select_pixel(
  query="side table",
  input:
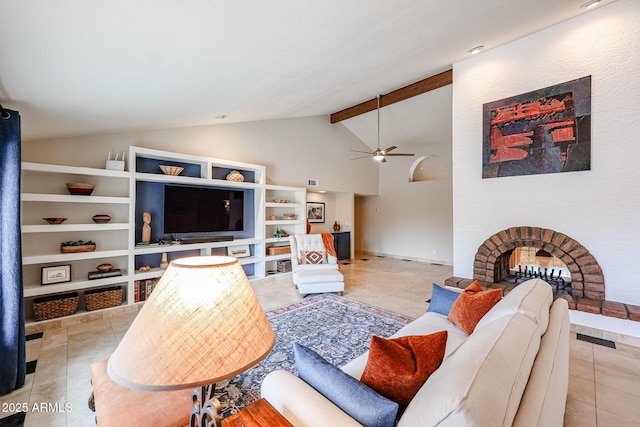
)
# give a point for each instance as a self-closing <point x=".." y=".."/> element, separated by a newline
<point x="258" y="414"/>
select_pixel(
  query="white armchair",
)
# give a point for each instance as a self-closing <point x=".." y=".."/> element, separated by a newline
<point x="314" y="278"/>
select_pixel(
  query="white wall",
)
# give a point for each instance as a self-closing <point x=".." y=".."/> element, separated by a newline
<point x="329" y="200"/>
<point x="409" y="219"/>
<point x="598" y="208"/>
<point x="338" y="207"/>
<point x="291" y="149"/>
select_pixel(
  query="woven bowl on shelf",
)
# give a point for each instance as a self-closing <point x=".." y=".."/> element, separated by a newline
<point x="80" y="189"/>
<point x="235" y="176"/>
<point x="55" y="220"/>
<point x="171" y="170"/>
<point x="289" y="216"/>
<point x="103" y="268"/>
<point x="101" y="218"/>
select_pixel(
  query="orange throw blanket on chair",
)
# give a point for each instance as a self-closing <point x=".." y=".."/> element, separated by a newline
<point x="327" y="240"/>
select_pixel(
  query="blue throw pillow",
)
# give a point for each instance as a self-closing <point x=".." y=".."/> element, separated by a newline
<point x="358" y="400"/>
<point x="442" y="299"/>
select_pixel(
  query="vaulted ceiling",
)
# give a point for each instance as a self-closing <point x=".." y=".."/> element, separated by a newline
<point x="74" y="67"/>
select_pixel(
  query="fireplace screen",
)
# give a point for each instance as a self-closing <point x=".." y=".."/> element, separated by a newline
<point x="527" y="263"/>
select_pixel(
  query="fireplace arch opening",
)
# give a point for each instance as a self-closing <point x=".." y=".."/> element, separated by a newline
<point x="528" y="262"/>
<point x="492" y="260"/>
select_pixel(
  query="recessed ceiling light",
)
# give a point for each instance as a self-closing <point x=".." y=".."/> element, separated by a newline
<point x="590" y="4"/>
<point x="221" y="117"/>
<point x="476" y="50"/>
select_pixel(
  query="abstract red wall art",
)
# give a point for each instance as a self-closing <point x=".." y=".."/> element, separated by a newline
<point x="544" y="131"/>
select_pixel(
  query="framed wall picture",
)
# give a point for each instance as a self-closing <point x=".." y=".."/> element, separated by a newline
<point x="544" y="131"/>
<point x="56" y="274"/>
<point x="315" y="211"/>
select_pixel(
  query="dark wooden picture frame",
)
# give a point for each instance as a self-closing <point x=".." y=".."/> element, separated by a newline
<point x="56" y="274"/>
<point x="315" y="212"/>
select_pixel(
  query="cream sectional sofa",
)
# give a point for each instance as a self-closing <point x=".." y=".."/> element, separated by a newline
<point x="512" y="370"/>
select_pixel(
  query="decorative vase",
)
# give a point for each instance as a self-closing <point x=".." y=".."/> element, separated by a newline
<point x="308" y="227"/>
<point x="235" y="176"/>
<point x="336" y="226"/>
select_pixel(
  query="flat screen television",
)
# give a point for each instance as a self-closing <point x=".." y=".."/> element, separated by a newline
<point x="202" y="209"/>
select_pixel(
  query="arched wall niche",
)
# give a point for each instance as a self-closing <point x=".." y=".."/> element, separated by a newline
<point x="428" y="168"/>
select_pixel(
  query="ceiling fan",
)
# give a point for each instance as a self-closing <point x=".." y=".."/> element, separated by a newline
<point x="380" y="155"/>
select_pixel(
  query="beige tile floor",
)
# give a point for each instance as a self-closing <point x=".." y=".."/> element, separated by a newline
<point x="604" y="384"/>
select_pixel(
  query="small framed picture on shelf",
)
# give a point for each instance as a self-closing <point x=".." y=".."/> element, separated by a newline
<point x="315" y="211"/>
<point x="239" y="251"/>
<point x="56" y="274"/>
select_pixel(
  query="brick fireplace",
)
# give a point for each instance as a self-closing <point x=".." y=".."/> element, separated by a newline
<point x="491" y="268"/>
<point x="491" y="263"/>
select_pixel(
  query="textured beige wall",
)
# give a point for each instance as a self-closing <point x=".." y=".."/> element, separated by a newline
<point x="291" y="149"/>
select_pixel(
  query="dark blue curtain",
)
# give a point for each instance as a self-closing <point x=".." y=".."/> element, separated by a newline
<point x="13" y="365"/>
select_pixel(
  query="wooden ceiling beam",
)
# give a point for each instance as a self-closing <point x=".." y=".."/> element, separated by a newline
<point x="430" y="83"/>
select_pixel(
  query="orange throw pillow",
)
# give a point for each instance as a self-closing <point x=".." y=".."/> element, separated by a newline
<point x="471" y="305"/>
<point x="398" y="367"/>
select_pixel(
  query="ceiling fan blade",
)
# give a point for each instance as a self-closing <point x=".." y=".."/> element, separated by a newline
<point x="361" y="157"/>
<point x="386" y="150"/>
<point x="400" y="154"/>
<point x="366" y="152"/>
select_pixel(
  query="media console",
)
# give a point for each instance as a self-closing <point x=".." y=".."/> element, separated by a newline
<point x="208" y="239"/>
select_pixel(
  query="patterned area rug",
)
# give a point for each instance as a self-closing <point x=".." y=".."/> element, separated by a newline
<point x="337" y="328"/>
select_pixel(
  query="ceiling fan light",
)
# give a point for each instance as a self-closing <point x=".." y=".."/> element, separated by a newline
<point x="591" y="4"/>
<point x="379" y="157"/>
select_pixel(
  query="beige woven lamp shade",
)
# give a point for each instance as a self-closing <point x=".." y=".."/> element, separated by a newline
<point x="201" y="324"/>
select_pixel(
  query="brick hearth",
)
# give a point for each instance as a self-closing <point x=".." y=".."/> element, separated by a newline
<point x="607" y="308"/>
<point x="490" y="269"/>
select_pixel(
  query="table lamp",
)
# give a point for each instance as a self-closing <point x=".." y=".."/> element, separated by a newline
<point x="202" y="324"/>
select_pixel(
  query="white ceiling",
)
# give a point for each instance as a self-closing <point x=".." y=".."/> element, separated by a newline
<point x="75" y="67"/>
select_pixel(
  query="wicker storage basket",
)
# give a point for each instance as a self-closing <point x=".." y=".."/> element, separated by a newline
<point x="278" y="250"/>
<point x="55" y="306"/>
<point x="284" y="266"/>
<point x="103" y="298"/>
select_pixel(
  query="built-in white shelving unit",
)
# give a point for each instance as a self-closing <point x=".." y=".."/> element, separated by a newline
<point x="44" y="194"/>
<point x="125" y="195"/>
<point x="281" y="200"/>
